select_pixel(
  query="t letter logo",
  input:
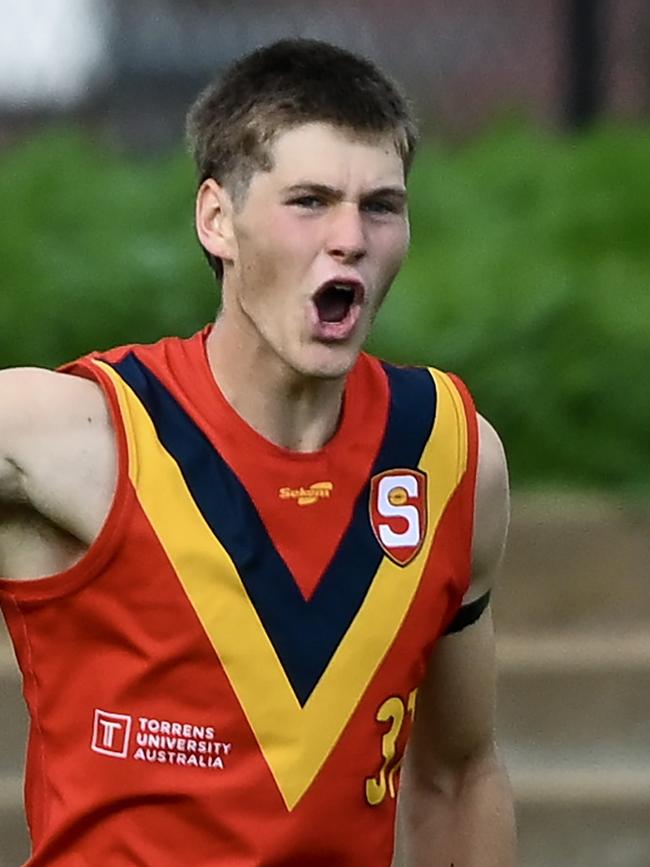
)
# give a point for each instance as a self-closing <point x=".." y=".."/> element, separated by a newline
<point x="111" y="733"/>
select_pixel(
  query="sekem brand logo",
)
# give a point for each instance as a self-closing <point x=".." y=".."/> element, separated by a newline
<point x="307" y="496"/>
<point x="398" y="512"/>
<point x="111" y="733"/>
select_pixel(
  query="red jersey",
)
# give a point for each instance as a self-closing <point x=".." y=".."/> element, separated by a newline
<point x="228" y="676"/>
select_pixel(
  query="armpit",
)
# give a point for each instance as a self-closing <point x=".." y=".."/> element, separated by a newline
<point x="12" y="488"/>
<point x="32" y="547"/>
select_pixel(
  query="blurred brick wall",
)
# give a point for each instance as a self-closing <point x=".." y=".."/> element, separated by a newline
<point x="628" y="59"/>
<point x="464" y="61"/>
<point x="469" y="60"/>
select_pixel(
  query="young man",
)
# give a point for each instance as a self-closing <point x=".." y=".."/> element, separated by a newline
<point x="259" y="545"/>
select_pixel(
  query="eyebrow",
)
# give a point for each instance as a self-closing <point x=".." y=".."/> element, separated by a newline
<point x="397" y="192"/>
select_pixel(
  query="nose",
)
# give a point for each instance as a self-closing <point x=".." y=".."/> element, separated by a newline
<point x="346" y="240"/>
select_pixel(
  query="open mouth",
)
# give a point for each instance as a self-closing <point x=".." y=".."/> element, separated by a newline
<point x="335" y="299"/>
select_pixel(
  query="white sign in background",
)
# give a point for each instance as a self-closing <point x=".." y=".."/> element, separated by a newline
<point x="50" y="51"/>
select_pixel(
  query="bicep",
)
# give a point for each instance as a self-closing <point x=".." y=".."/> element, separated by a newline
<point x="455" y="711"/>
<point x="455" y="714"/>
<point x="40" y="412"/>
<point x="491" y="512"/>
<point x="16" y="386"/>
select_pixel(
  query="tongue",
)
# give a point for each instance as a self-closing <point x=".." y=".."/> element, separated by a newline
<point x="333" y="305"/>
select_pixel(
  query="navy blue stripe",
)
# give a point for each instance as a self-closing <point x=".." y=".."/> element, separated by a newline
<point x="305" y="634"/>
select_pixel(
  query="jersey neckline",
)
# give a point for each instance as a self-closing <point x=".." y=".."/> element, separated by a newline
<point x="219" y="413"/>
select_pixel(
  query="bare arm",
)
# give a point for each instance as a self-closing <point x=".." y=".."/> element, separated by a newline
<point x="455" y="804"/>
<point x="20" y="388"/>
<point x="57" y="463"/>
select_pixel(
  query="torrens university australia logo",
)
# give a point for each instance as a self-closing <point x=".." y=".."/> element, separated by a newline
<point x="398" y="512"/>
<point x="145" y="739"/>
<point x="307" y="496"/>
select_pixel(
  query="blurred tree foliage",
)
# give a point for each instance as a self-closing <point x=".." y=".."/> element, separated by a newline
<point x="529" y="275"/>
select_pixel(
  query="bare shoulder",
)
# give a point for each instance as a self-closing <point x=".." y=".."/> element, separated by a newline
<point x="38" y="405"/>
<point x="492" y="508"/>
<point x="39" y="388"/>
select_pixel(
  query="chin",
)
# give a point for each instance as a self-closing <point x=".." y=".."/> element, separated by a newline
<point x="328" y="361"/>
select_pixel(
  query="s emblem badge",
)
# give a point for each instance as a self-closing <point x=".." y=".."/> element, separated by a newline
<point x="398" y="512"/>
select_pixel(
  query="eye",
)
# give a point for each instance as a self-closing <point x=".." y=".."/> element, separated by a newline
<point x="381" y="206"/>
<point x="310" y="203"/>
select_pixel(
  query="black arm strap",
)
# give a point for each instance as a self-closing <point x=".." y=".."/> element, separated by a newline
<point x="468" y="614"/>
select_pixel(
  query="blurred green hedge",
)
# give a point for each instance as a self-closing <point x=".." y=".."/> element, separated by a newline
<point x="529" y="275"/>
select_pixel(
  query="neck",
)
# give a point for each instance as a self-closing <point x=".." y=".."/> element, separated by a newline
<point x="293" y="411"/>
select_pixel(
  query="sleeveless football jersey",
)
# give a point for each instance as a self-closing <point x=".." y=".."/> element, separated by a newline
<point x="228" y="677"/>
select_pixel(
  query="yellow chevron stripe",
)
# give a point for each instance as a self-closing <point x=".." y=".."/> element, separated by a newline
<point x="294" y="740"/>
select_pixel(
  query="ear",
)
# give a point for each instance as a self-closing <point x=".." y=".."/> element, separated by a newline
<point x="214" y="223"/>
